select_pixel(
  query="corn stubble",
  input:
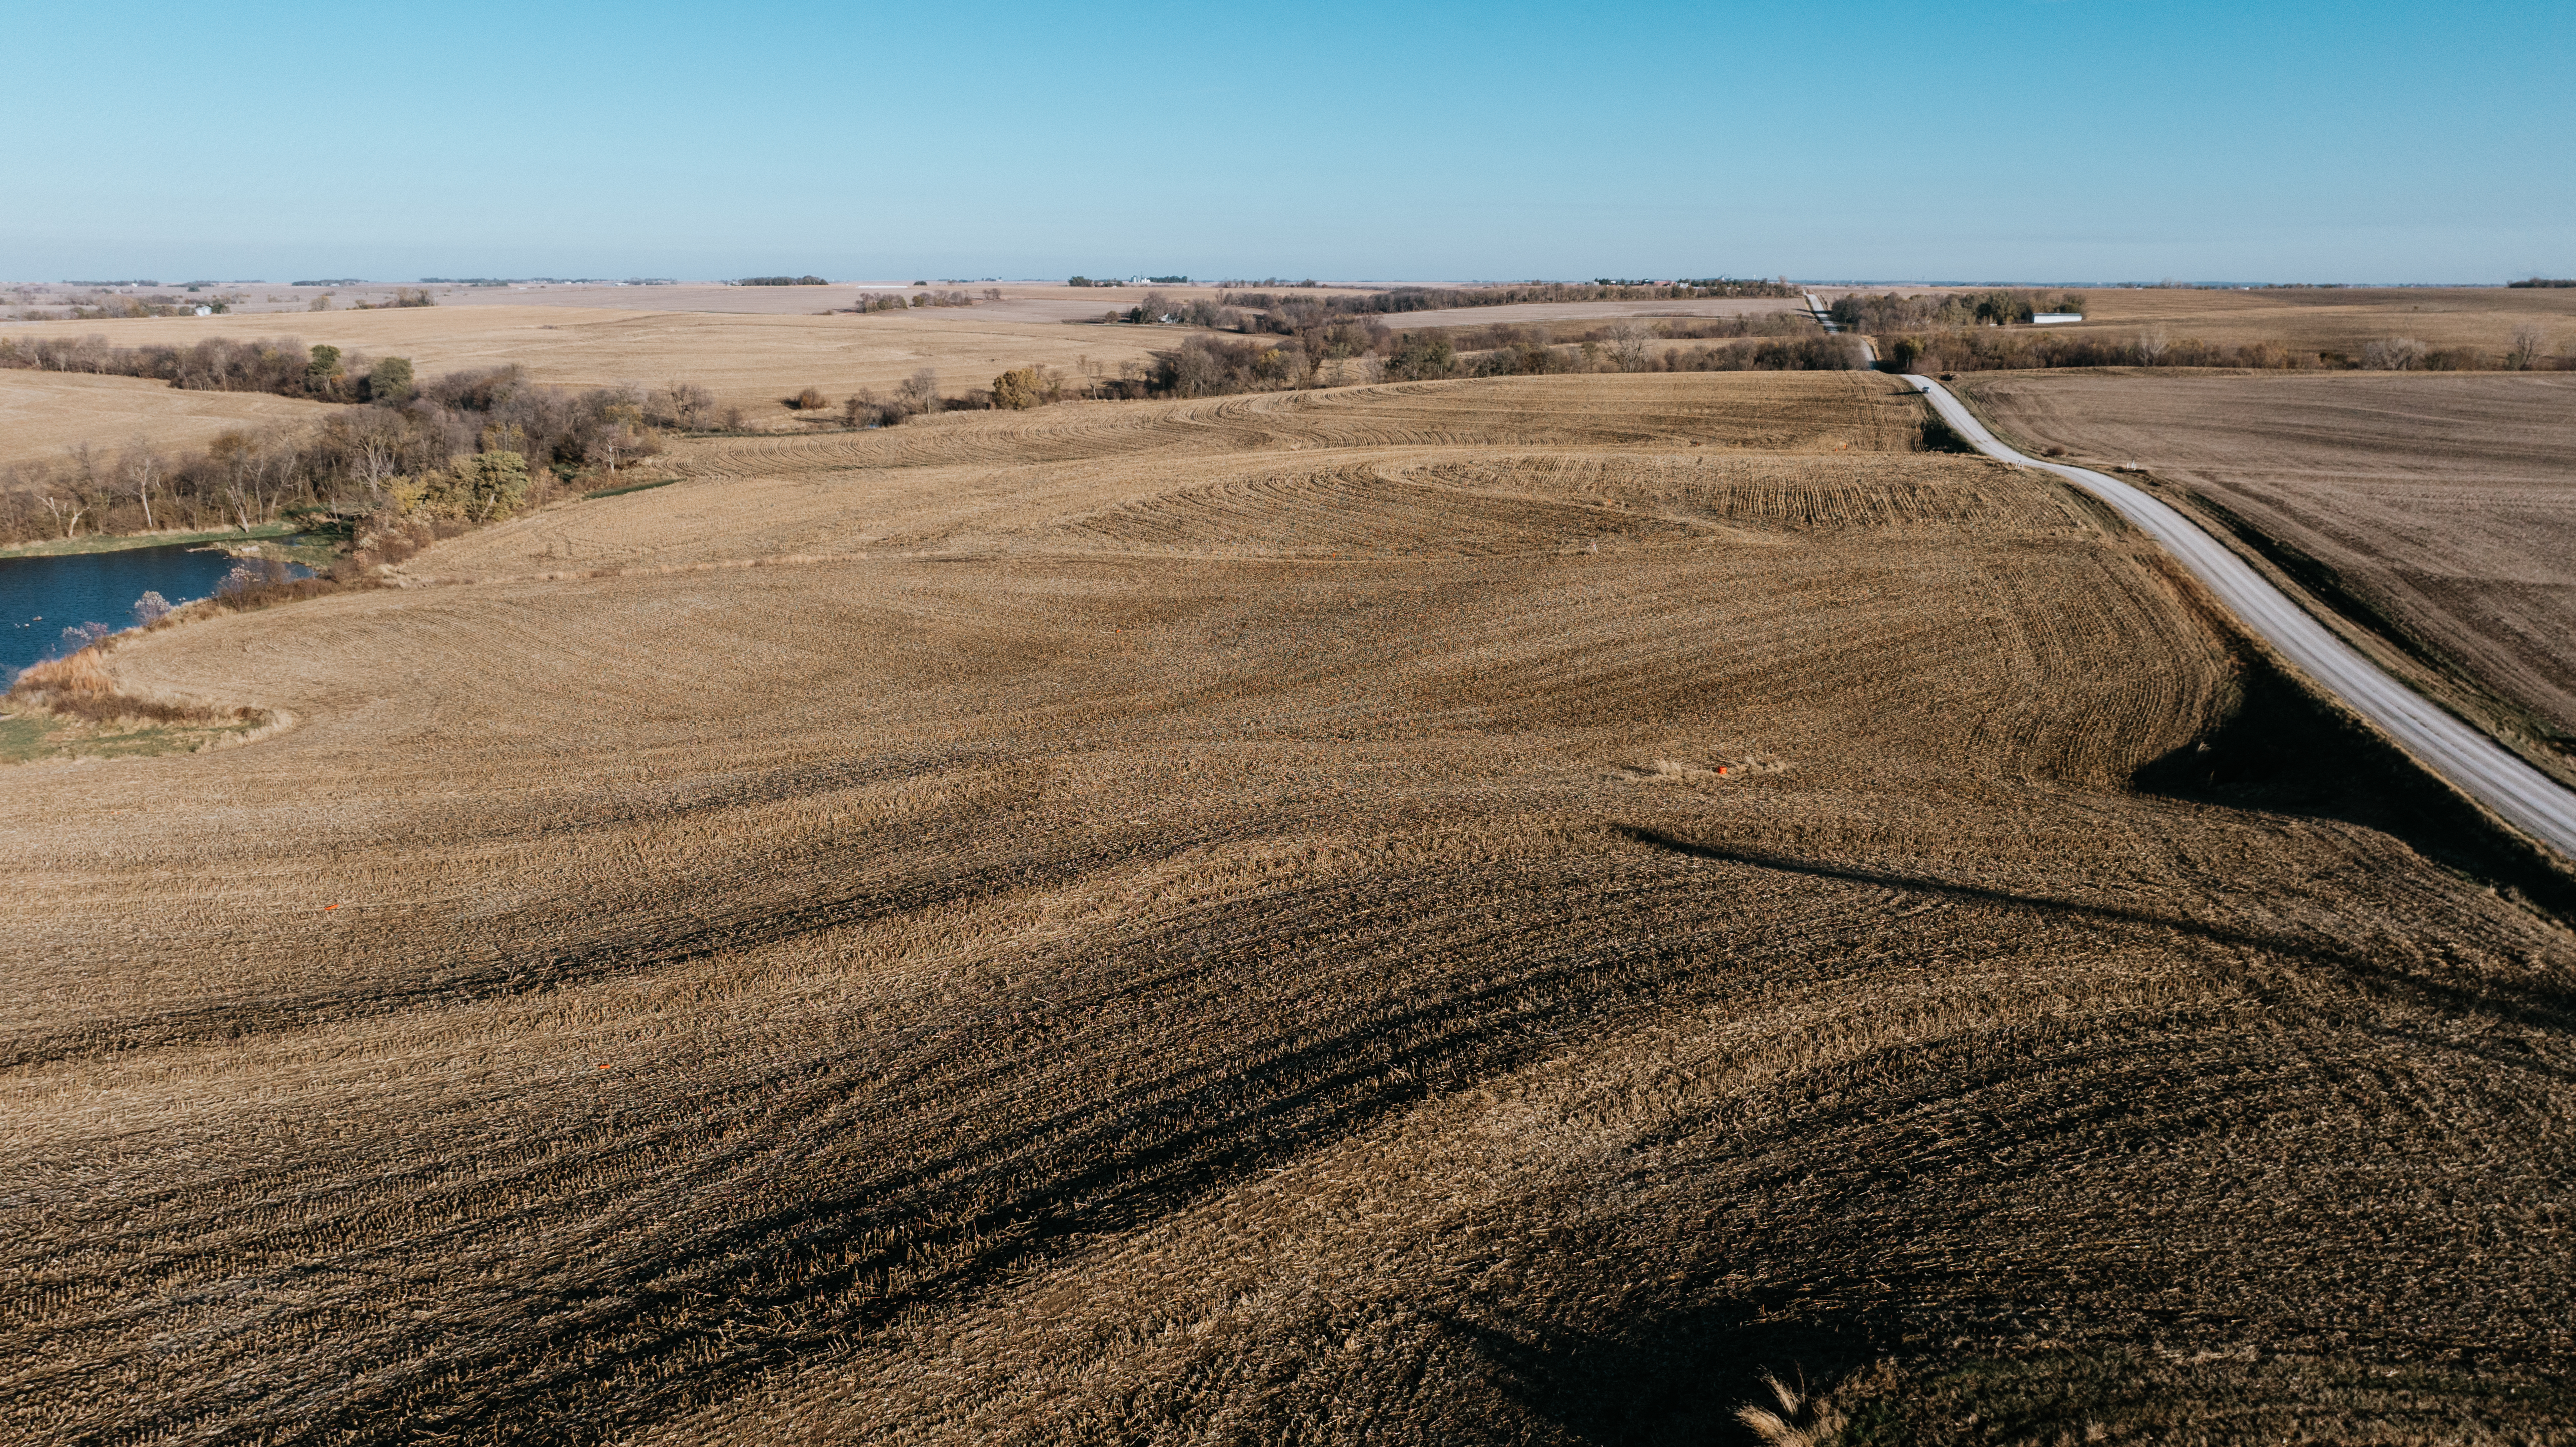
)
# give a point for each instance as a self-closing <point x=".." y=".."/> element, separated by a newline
<point x="2335" y="474"/>
<point x="1459" y="912"/>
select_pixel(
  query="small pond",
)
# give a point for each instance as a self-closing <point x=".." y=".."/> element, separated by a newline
<point x="40" y="597"/>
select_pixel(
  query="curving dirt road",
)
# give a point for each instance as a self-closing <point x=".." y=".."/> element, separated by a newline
<point x="2472" y="762"/>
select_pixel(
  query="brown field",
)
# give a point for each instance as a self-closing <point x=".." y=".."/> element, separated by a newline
<point x="1452" y="913"/>
<point x="750" y="361"/>
<point x="2438" y="508"/>
<point x="1021" y="301"/>
<point x="41" y="413"/>
<point x="2337" y="319"/>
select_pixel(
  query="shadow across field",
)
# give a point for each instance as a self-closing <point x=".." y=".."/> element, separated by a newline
<point x="1669" y="1374"/>
<point x="2276" y="747"/>
<point x="2535" y="1003"/>
<point x="635" y="1342"/>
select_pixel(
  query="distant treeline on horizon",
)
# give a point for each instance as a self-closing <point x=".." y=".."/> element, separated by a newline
<point x="545" y="281"/>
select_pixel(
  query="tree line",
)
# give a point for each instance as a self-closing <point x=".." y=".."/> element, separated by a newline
<point x="113" y="306"/>
<point x="420" y="452"/>
<point x="280" y="365"/>
<point x="896" y="301"/>
<point x="1327" y="327"/>
<point x="1208" y="366"/>
<point x="2001" y="306"/>
<point x="1397" y="300"/>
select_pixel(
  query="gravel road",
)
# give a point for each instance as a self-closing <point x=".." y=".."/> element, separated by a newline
<point x="2473" y="762"/>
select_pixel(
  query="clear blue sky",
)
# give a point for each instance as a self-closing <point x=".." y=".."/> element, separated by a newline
<point x="2040" y="140"/>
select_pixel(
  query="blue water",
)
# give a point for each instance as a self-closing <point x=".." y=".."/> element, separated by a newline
<point x="40" y="597"/>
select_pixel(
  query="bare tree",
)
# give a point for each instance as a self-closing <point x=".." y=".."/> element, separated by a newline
<point x="84" y="460"/>
<point x="920" y="391"/>
<point x="686" y="403"/>
<point x="67" y="513"/>
<point x="2530" y="344"/>
<point x="141" y="470"/>
<point x="1628" y="341"/>
<point x="2153" y="343"/>
<point x="2393" y="354"/>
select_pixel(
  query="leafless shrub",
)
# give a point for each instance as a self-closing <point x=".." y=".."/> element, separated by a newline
<point x="809" y="400"/>
<point x="865" y="408"/>
<point x="2393" y="354"/>
<point x="682" y="404"/>
<point x="2530" y="344"/>
<point x="919" y="392"/>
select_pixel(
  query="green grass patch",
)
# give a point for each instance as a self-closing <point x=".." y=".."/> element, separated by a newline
<point x="122" y="542"/>
<point x="630" y="487"/>
<point x="28" y="737"/>
<point x="22" y="739"/>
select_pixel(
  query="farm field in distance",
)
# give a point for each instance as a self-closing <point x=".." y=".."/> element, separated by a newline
<point x="2345" y="319"/>
<point x="750" y="361"/>
<point x="1542" y="312"/>
<point x="2440" y="507"/>
<point x="1473" y="911"/>
<point x="43" y="413"/>
<point x="1020" y="301"/>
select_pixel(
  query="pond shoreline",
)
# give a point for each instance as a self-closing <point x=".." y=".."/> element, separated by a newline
<point x="122" y="542"/>
<point x="52" y="605"/>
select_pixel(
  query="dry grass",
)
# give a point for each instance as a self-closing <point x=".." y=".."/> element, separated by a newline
<point x="42" y="413"/>
<point x="1795" y="1418"/>
<point x="746" y="361"/>
<point x="2438" y="510"/>
<point x="72" y="708"/>
<point x="1177" y="927"/>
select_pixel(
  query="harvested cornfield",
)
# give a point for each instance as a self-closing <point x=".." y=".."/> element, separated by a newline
<point x="2437" y="512"/>
<point x="2482" y="319"/>
<point x="749" y="361"/>
<point x="1468" y="912"/>
<point x="45" y="414"/>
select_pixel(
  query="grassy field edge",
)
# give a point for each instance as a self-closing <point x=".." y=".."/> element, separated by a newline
<point x="126" y="542"/>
